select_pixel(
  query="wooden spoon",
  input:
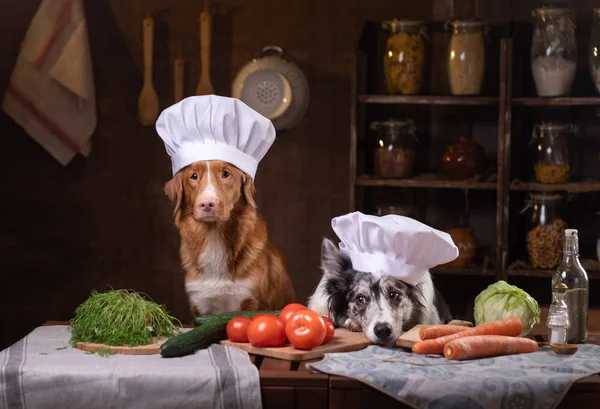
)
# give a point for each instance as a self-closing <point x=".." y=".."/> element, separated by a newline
<point x="148" y="100"/>
<point x="178" y="69"/>
<point x="563" y="349"/>
<point x="205" y="87"/>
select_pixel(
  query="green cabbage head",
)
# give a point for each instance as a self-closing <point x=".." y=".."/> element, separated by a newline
<point x="502" y="300"/>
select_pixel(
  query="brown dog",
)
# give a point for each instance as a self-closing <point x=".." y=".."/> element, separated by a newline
<point x="228" y="261"/>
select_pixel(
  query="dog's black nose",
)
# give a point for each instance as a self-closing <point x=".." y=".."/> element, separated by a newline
<point x="382" y="330"/>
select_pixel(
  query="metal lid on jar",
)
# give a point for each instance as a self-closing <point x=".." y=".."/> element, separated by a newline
<point x="544" y="197"/>
<point x="555" y="127"/>
<point x="552" y="10"/>
<point x="393" y="123"/>
<point x="394" y="25"/>
<point x="466" y="22"/>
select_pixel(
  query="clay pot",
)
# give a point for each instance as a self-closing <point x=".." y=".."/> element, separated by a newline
<point x="464" y="159"/>
<point x="465" y="241"/>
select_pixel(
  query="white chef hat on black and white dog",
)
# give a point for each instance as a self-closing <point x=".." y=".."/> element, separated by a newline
<point x="395" y="245"/>
<point x="211" y="127"/>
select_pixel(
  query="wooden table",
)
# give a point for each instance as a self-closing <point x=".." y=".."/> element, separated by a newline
<point x="287" y="384"/>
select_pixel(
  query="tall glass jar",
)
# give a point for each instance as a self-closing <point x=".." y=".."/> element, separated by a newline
<point x="553" y="51"/>
<point x="545" y="230"/>
<point x="466" y="56"/>
<point x="594" y="49"/>
<point x="404" y="58"/>
<point x="395" y="148"/>
<point x="551" y="144"/>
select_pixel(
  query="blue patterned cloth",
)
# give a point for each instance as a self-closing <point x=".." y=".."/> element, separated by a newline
<point x="537" y="380"/>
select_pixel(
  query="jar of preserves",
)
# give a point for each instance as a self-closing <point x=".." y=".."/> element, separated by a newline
<point x="395" y="148"/>
<point x="553" y="51"/>
<point x="594" y="49"/>
<point x="466" y="56"/>
<point x="404" y="57"/>
<point x="551" y="144"/>
<point x="545" y="230"/>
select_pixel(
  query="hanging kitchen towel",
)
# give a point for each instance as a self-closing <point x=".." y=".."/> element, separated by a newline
<point x="42" y="370"/>
<point x="51" y="91"/>
<point x="537" y="380"/>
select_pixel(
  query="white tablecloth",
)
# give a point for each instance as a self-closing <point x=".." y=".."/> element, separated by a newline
<point x="42" y="370"/>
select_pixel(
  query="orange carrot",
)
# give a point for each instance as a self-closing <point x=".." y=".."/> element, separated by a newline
<point x="509" y="326"/>
<point x="436" y="331"/>
<point x="481" y="346"/>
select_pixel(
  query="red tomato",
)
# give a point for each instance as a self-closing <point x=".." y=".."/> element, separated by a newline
<point x="266" y="331"/>
<point x="330" y="329"/>
<point x="305" y="329"/>
<point x="288" y="310"/>
<point x="237" y="329"/>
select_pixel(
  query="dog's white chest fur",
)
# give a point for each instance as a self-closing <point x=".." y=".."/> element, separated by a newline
<point x="216" y="292"/>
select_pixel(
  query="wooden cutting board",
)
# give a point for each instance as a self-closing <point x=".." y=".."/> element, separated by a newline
<point x="149" y="349"/>
<point x="411" y="337"/>
<point x="343" y="341"/>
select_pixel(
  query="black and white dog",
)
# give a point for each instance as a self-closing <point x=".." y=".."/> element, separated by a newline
<point x="379" y="305"/>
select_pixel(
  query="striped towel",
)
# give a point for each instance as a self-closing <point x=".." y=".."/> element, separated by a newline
<point x="51" y="91"/>
<point x="42" y="370"/>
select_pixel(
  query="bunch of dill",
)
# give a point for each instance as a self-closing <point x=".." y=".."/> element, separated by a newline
<point x="120" y="318"/>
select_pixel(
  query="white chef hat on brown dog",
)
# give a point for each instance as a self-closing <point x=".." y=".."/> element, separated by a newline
<point x="395" y="245"/>
<point x="211" y="127"/>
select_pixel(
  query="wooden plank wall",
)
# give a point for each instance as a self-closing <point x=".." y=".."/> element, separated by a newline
<point x="104" y="221"/>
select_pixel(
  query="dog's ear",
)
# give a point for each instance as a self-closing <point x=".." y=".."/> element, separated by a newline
<point x="174" y="191"/>
<point x="333" y="261"/>
<point x="248" y="190"/>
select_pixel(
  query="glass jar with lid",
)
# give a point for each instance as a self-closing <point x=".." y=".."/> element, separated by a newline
<point x="551" y="144"/>
<point x="545" y="230"/>
<point x="466" y="56"/>
<point x="395" y="148"/>
<point x="553" y="51"/>
<point x="594" y="49"/>
<point x="404" y="57"/>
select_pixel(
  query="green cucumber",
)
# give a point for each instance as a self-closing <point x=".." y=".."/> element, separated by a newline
<point x="210" y="329"/>
<point x="203" y="319"/>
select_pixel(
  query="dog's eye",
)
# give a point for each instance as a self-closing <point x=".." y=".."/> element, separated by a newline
<point x="194" y="176"/>
<point x="361" y="299"/>
<point x="225" y="174"/>
<point x="394" y="295"/>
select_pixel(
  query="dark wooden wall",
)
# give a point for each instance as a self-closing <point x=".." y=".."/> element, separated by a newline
<point x="104" y="221"/>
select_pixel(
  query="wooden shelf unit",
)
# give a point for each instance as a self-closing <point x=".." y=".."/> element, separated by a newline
<point x="499" y="97"/>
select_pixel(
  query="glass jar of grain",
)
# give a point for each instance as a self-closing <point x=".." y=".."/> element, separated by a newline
<point x="551" y="145"/>
<point x="466" y="56"/>
<point x="553" y="51"/>
<point x="545" y="230"/>
<point x="404" y="57"/>
<point x="395" y="148"/>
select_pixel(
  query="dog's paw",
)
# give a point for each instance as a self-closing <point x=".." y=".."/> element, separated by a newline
<point x="352" y="326"/>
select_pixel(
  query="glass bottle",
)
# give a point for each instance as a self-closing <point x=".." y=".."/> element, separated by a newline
<point x="558" y="315"/>
<point x="594" y="49"/>
<point x="395" y="148"/>
<point x="553" y="51"/>
<point x="466" y="56"/>
<point x="404" y="57"/>
<point x="551" y="145"/>
<point x="571" y="273"/>
<point x="545" y="230"/>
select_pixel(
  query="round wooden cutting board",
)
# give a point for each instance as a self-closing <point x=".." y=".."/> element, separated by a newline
<point x="149" y="349"/>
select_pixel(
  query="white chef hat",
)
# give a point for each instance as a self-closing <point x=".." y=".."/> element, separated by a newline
<point x="211" y="127"/>
<point x="396" y="245"/>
